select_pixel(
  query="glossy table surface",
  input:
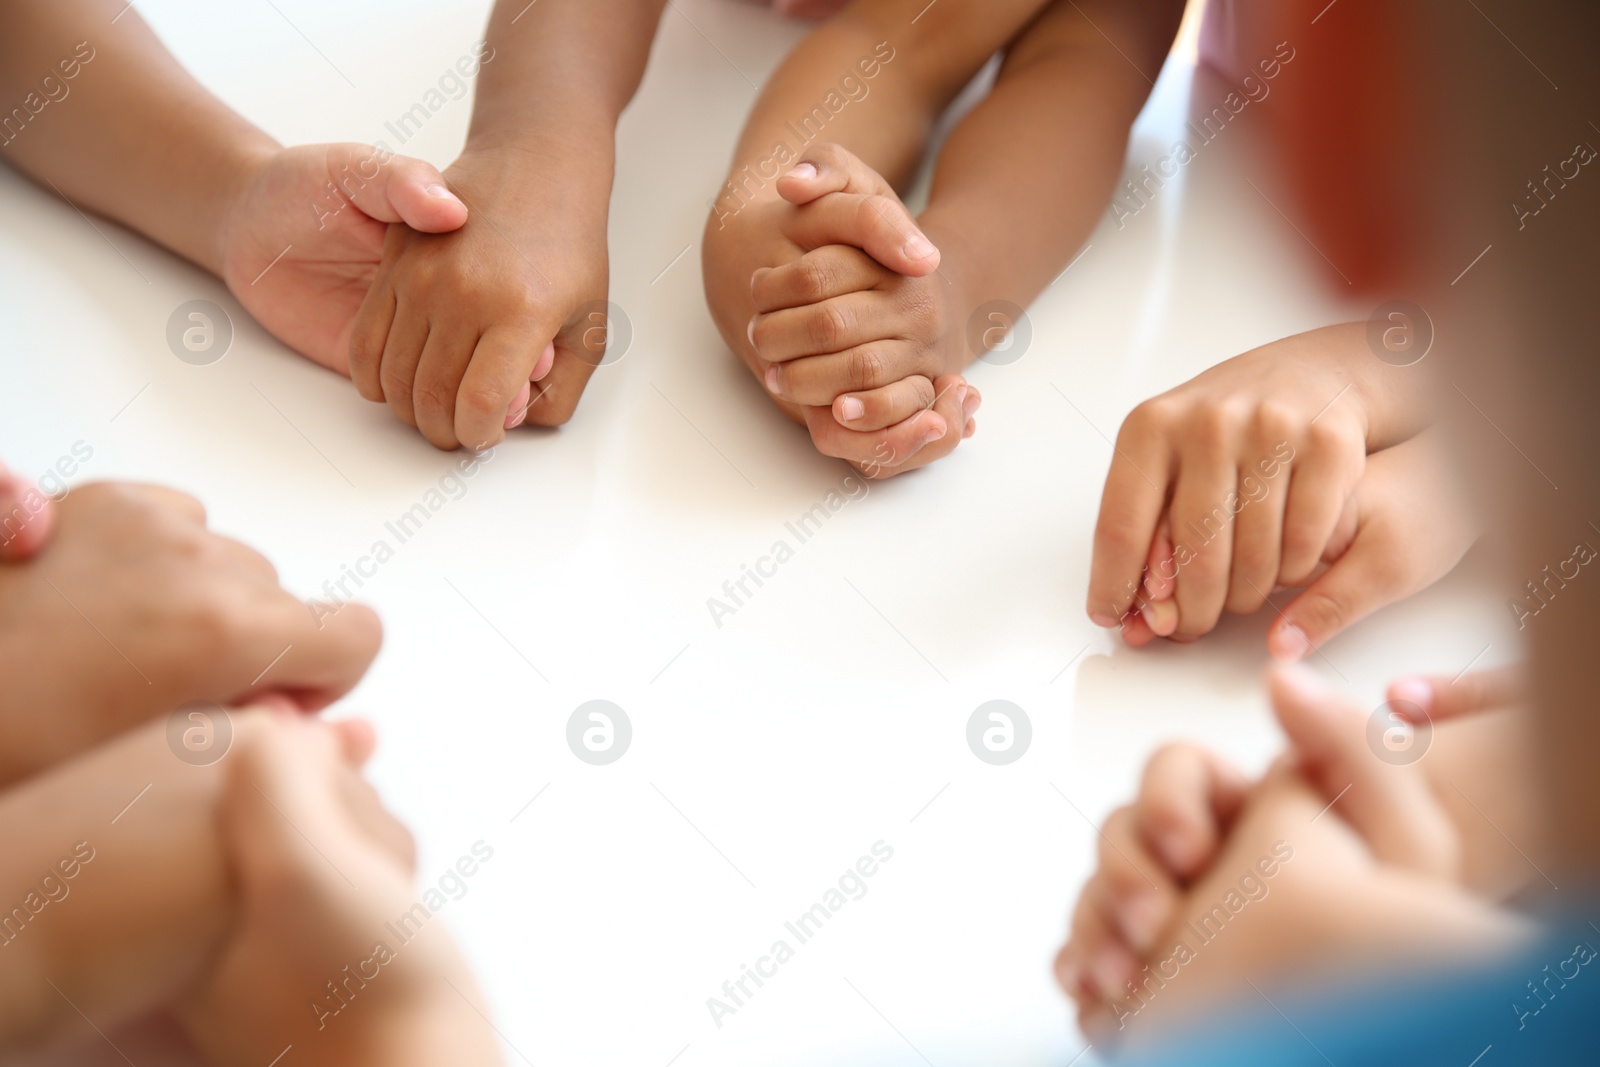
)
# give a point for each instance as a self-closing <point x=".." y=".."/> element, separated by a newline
<point x="772" y="746"/>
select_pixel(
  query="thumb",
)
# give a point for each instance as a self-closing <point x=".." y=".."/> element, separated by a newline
<point x="26" y="517"/>
<point x="830" y="168"/>
<point x="1364" y="765"/>
<point x="393" y="188"/>
<point x="1353" y="587"/>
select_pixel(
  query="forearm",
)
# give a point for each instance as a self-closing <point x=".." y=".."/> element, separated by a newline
<point x="113" y="887"/>
<point x="554" y="79"/>
<point x="102" y="112"/>
<point x="875" y="80"/>
<point x="1025" y="177"/>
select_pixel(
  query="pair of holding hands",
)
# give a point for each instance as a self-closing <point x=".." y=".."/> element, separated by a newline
<point x="1293" y="465"/>
<point x="465" y="319"/>
<point x="258" y="875"/>
<point x="1351" y="859"/>
<point x="851" y="328"/>
<point x="179" y="613"/>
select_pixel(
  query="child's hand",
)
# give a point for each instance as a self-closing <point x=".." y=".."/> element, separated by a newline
<point x="845" y="325"/>
<point x="1364" y="862"/>
<point x="324" y="879"/>
<point x="1376" y="555"/>
<point x="457" y="326"/>
<point x="1251" y="462"/>
<point x="26" y="517"/>
<point x="301" y="257"/>
<point x="135" y="608"/>
<point x="773" y="258"/>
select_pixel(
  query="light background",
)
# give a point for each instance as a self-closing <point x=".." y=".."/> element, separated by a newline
<point x="828" y="713"/>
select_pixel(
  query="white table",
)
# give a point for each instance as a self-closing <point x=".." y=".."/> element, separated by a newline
<point x="830" y="711"/>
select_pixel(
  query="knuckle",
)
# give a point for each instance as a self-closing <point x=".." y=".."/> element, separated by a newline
<point x="829" y="152"/>
<point x="1152" y="418"/>
<point x="1274" y="422"/>
<point x="866" y="367"/>
<point x="396" y="386"/>
<point x="479" y="402"/>
<point x="827" y="326"/>
<point x="434" y="398"/>
<point x="812" y="278"/>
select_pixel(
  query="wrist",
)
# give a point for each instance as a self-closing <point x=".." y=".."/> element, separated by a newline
<point x="236" y="174"/>
<point x="540" y="180"/>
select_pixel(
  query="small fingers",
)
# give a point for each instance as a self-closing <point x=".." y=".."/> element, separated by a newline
<point x="495" y="389"/>
<point x="440" y="370"/>
<point x="1187" y="798"/>
<point x="878" y="225"/>
<point x="402" y="352"/>
<point x="1440" y="697"/>
<point x="26" y="517"/>
<point x="831" y="325"/>
<point x="877" y="409"/>
<point x="818" y="380"/>
<point x="821" y="274"/>
<point x="1321" y="482"/>
<point x="830" y="168"/>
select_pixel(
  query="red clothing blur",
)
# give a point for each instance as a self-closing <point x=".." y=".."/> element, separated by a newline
<point x="1342" y="122"/>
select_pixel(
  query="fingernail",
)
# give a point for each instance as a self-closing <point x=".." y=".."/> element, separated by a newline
<point x="803" y="171"/>
<point x="1103" y="619"/>
<point x="756" y="276"/>
<point x="547" y="360"/>
<point x="972" y="428"/>
<point x="1414" y="691"/>
<point x="1288" y="643"/>
<point x="1176" y="850"/>
<point x="851" y="409"/>
<point x="750" y="332"/>
<point x="933" y="434"/>
<point x="971" y="404"/>
<point x="961" y="394"/>
<point x="1141" y="920"/>
<point x="918" y="247"/>
<point x="1111" y="966"/>
<point x="439" y="192"/>
<point x="772" y="379"/>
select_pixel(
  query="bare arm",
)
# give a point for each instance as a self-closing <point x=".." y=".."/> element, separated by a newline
<point x="102" y="112"/>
